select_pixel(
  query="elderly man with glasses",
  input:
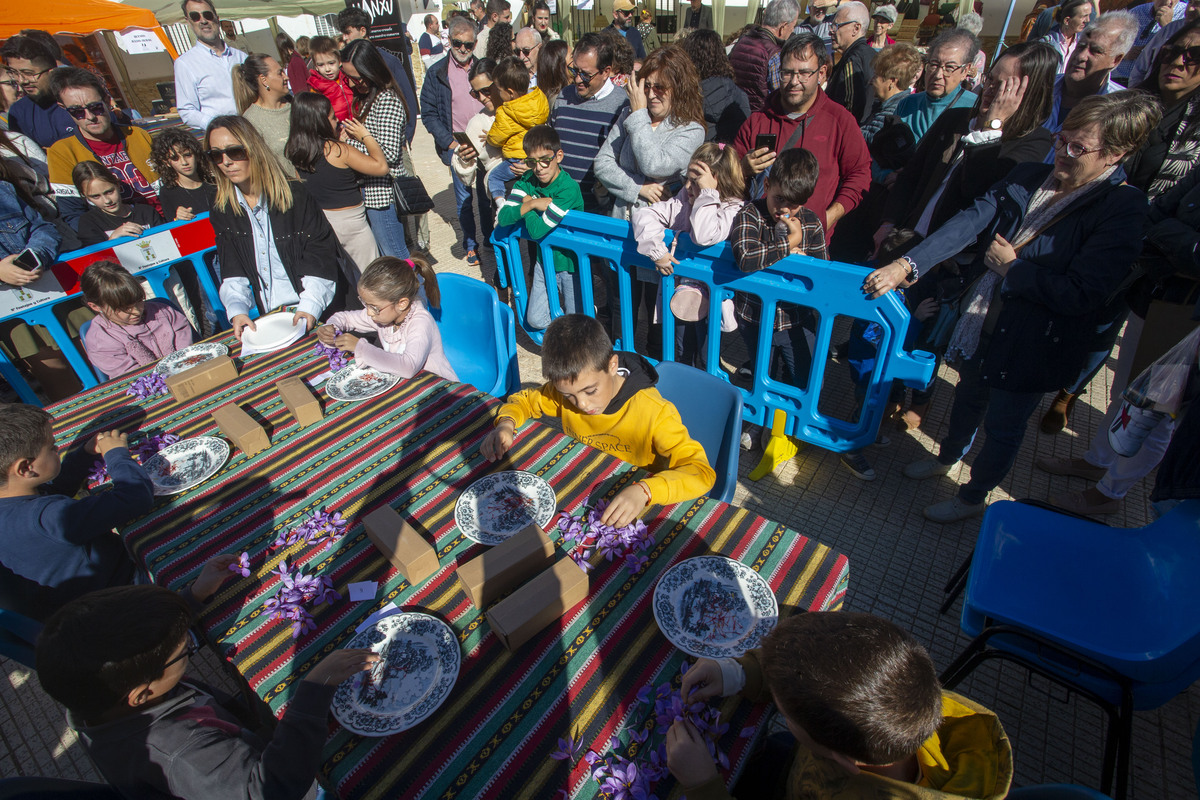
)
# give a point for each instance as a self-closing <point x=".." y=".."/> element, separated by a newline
<point x="36" y="114"/>
<point x="203" y="75"/>
<point x="125" y="152"/>
<point x="526" y="46"/>
<point x="850" y="79"/>
<point x="951" y="55"/>
<point x="447" y="105"/>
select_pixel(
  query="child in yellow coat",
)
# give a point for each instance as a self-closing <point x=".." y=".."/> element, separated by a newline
<point x="521" y="108"/>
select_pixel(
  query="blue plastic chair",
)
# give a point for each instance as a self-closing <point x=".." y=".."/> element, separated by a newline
<point x="479" y="334"/>
<point x="17" y="636"/>
<point x="1056" y="791"/>
<point x="712" y="411"/>
<point x="1107" y="612"/>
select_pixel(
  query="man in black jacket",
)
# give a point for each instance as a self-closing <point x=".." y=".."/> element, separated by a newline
<point x="850" y="80"/>
<point x="624" y="12"/>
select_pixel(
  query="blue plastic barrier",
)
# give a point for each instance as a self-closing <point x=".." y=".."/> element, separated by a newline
<point x="194" y="236"/>
<point x="830" y="288"/>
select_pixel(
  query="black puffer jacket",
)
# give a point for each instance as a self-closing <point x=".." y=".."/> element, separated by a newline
<point x="726" y="107"/>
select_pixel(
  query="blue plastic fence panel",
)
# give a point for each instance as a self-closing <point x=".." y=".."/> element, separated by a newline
<point x="605" y="245"/>
<point x="193" y="240"/>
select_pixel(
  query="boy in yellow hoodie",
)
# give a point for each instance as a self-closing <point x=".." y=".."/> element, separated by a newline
<point x="862" y="699"/>
<point x="608" y="400"/>
<point x="520" y="109"/>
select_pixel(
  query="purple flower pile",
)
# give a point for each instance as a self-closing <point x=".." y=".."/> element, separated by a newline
<point x="337" y="359"/>
<point x="296" y="591"/>
<point x="630" y="770"/>
<point x="585" y="535"/>
<point x="320" y="525"/>
<point x="147" y="386"/>
<point x="145" y="448"/>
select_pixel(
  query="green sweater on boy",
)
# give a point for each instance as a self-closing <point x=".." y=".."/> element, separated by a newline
<point x="564" y="192"/>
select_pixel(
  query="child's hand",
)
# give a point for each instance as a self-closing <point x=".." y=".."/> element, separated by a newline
<point x="687" y="755"/>
<point x="702" y="681"/>
<point x="325" y="335"/>
<point x="666" y="264"/>
<point x="108" y="440"/>
<point x="239" y="323"/>
<point x="342" y="664"/>
<point x="626" y="506"/>
<point x="183" y="213"/>
<point x="212" y="576"/>
<point x="346" y="342"/>
<point x="704" y="176"/>
<point x="651" y="192"/>
<point x="126" y="229"/>
<point x="497" y="443"/>
<point x="926" y="309"/>
<point x="795" y="232"/>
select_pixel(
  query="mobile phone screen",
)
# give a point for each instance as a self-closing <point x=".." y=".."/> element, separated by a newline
<point x="28" y="260"/>
<point x="764" y="140"/>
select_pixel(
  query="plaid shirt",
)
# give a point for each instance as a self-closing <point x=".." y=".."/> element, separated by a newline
<point x="385" y="121"/>
<point x="774" y="78"/>
<point x="758" y="243"/>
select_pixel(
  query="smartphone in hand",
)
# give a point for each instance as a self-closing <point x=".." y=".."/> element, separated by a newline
<point x="767" y="140"/>
<point x="462" y="138"/>
<point x="29" y="260"/>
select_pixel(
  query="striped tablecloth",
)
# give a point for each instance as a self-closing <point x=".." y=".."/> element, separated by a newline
<point x="416" y="448"/>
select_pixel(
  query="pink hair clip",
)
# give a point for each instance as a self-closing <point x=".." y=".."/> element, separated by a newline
<point x="411" y="265"/>
<point x="721" y="146"/>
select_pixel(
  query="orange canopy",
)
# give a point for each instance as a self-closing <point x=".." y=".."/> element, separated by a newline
<point x="79" y="17"/>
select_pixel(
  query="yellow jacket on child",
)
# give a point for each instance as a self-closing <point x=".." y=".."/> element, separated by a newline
<point x="514" y="118"/>
<point x="640" y="426"/>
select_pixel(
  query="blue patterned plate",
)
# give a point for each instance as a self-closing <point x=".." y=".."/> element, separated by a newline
<point x="359" y="383"/>
<point x="189" y="357"/>
<point x="495" y="507"/>
<point x="714" y="607"/>
<point x="418" y="669"/>
<point x="184" y="465"/>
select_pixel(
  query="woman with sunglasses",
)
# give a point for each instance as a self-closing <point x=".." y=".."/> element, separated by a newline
<point x="1061" y="240"/>
<point x="379" y="105"/>
<point x="647" y="153"/>
<point x="481" y="155"/>
<point x="276" y="247"/>
<point x="260" y="86"/>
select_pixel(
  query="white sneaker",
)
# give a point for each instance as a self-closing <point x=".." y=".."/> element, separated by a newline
<point x="747" y="441"/>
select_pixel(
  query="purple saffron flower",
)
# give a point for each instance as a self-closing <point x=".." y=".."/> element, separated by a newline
<point x="566" y="748"/>
<point x="242" y="565"/>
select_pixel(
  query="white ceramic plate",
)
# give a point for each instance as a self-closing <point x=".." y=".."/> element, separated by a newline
<point x="714" y="607"/>
<point x="272" y="332"/>
<point x="189" y="357"/>
<point x="184" y="465"/>
<point x="418" y="669"/>
<point x="495" y="507"/>
<point x="359" y="383"/>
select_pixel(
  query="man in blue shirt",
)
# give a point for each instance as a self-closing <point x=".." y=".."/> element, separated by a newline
<point x="623" y="13"/>
<point x="203" y="79"/>
<point x="37" y="113"/>
<point x="1102" y="47"/>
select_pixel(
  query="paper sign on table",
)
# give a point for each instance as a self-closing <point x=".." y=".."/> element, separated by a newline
<point x="363" y="590"/>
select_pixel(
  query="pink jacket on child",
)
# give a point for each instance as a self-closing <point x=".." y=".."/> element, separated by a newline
<point x="708" y="221"/>
<point x="116" y="349"/>
<point x="413" y="346"/>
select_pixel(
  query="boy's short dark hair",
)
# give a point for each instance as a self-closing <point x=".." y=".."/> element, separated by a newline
<point x="98" y="648"/>
<point x="65" y="78"/>
<point x="542" y="137"/>
<point x="794" y="175"/>
<point x="511" y="74"/>
<point x="322" y="45"/>
<point x="349" y="18"/>
<point x="24" y="431"/>
<point x="497" y="6"/>
<point x="574" y="343"/>
<point x="27" y="49"/>
<point x="107" y="283"/>
<point x="856" y="683"/>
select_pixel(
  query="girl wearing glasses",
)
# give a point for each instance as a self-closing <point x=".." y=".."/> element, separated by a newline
<point x="1059" y="249"/>
<point x="379" y="105"/>
<point x="276" y="247"/>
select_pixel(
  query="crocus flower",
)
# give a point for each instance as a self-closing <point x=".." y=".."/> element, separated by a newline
<point x="242" y="565"/>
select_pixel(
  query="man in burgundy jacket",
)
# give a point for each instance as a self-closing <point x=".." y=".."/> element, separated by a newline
<point x="801" y="115"/>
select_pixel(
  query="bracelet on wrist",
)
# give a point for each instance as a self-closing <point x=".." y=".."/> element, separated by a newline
<point x="645" y="489"/>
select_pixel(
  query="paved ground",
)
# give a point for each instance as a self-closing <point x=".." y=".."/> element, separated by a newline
<point x="898" y="564"/>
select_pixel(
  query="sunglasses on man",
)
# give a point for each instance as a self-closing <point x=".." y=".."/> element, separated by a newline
<point x="207" y="16"/>
<point x="518" y="52"/>
<point x="97" y="109"/>
<point x="462" y="44"/>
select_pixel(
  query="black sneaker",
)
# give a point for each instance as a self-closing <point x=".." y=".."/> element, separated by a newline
<point x="857" y="463"/>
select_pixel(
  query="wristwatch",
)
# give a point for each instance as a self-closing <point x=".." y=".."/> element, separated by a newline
<point x="995" y="124"/>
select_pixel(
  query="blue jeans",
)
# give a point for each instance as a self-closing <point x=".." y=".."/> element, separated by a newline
<point x="466" y="213"/>
<point x="1004" y="415"/>
<point x="499" y="176"/>
<point x="388" y="230"/>
<point x="537" y="311"/>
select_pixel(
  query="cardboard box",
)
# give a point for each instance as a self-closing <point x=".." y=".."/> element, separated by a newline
<point x="241" y="429"/>
<point x="519" y="617"/>
<point x="407" y="550"/>
<point x="506" y="566"/>
<point x="201" y="378"/>
<point x="300" y="402"/>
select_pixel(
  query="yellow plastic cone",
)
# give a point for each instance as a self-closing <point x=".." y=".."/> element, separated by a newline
<point x="780" y="447"/>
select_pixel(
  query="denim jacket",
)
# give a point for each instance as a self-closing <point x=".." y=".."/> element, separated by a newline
<point x="22" y="226"/>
